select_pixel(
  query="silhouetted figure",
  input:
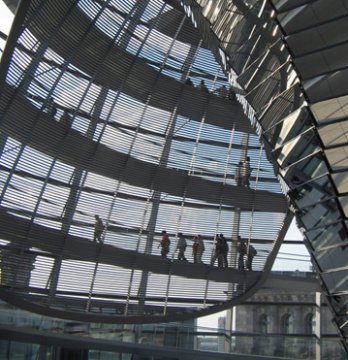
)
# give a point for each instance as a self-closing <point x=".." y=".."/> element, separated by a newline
<point x="98" y="229"/>
<point x="189" y="82"/>
<point x="243" y="172"/>
<point x="164" y="244"/>
<point x="242" y="250"/>
<point x="297" y="181"/>
<point x="251" y="253"/>
<point x="202" y="86"/>
<point x="246" y="171"/>
<point x="201" y="249"/>
<point x="65" y="119"/>
<point x="222" y="92"/>
<point x="195" y="250"/>
<point x="224" y="251"/>
<point x="295" y="194"/>
<point x="231" y="94"/>
<point x="198" y="249"/>
<point x="238" y="175"/>
<point x="181" y="247"/>
<point x="218" y="252"/>
<point x="51" y="107"/>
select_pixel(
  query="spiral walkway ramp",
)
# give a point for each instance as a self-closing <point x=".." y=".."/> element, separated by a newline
<point x="290" y="57"/>
<point x="97" y="117"/>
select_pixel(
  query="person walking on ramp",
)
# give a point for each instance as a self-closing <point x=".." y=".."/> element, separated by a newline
<point x="98" y="229"/>
<point x="164" y="244"/>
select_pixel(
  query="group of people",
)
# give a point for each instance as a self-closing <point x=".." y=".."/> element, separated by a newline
<point x="220" y="251"/>
<point x="243" y="252"/>
<point x="246" y="253"/>
<point x="201" y="86"/>
<point x="222" y="91"/>
<point x="197" y="247"/>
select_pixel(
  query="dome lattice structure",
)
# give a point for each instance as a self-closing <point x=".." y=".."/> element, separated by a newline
<point x="98" y="117"/>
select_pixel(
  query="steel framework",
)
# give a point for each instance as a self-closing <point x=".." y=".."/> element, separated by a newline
<point x="98" y="117"/>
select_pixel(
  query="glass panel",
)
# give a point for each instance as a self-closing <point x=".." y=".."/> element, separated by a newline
<point x="293" y="125"/>
<point x="338" y="158"/>
<point x="278" y="109"/>
<point x="334" y="134"/>
<point x="312" y="167"/>
<point x="344" y="203"/>
<point x="331" y="109"/>
<point x="298" y="148"/>
<point x="320" y="214"/>
<point x="332" y="258"/>
<point x="309" y="193"/>
<point x="334" y="234"/>
<point x="341" y="182"/>
<point x="336" y="281"/>
<point x="339" y="303"/>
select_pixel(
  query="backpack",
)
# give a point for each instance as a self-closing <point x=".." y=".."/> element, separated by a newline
<point x="242" y="249"/>
<point x="252" y="251"/>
